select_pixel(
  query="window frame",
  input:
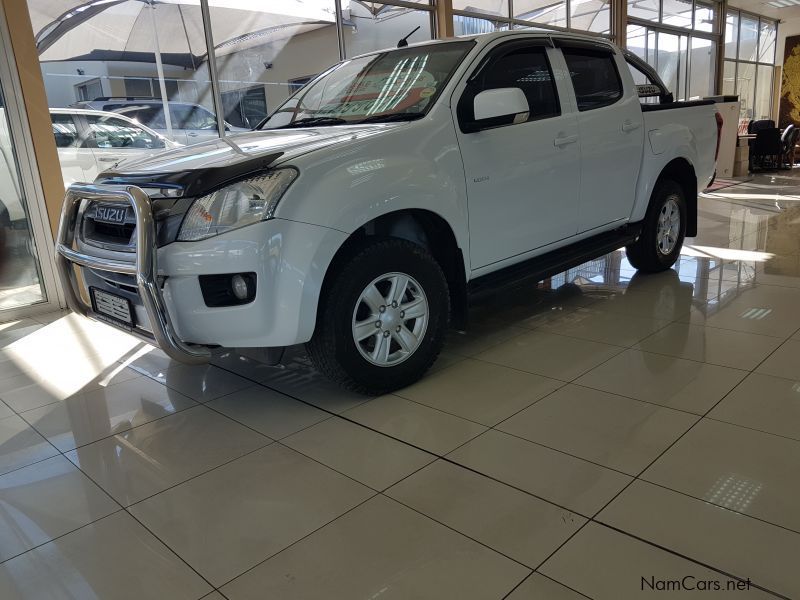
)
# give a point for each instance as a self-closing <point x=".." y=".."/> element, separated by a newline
<point x="493" y="54"/>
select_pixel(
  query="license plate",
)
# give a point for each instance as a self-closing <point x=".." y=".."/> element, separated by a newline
<point x="111" y="306"/>
<point x="110" y="213"/>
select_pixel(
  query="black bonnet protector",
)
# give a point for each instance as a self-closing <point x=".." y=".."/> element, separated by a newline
<point x="193" y="182"/>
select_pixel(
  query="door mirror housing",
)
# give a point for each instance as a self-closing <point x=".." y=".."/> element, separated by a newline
<point x="501" y="102"/>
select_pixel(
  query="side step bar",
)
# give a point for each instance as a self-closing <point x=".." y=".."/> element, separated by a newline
<point x="546" y="265"/>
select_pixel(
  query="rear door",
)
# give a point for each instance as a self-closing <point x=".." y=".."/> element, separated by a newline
<point x="611" y="129"/>
<point x="197" y="123"/>
<point x="74" y="155"/>
<point x="522" y="175"/>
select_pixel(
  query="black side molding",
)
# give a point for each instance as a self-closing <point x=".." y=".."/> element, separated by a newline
<point x="546" y="265"/>
<point x="672" y="105"/>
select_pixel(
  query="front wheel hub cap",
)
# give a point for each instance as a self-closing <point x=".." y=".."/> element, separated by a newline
<point x="390" y="319"/>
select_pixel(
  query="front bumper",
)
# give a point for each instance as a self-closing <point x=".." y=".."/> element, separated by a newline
<point x="145" y="270"/>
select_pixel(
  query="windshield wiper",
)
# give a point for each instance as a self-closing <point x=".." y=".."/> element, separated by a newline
<point x="311" y="121"/>
<point x="413" y="116"/>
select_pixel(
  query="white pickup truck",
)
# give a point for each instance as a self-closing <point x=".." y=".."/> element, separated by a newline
<point x="367" y="212"/>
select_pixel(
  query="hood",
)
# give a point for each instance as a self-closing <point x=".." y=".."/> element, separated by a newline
<point x="200" y="168"/>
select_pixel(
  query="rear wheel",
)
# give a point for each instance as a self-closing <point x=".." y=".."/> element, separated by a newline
<point x="663" y="230"/>
<point x="382" y="319"/>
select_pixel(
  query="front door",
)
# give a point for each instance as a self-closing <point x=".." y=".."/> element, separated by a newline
<point x="522" y="177"/>
<point x="74" y="155"/>
<point x="114" y="139"/>
<point x="612" y="133"/>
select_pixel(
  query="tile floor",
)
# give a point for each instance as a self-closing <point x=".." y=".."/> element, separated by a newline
<point x="599" y="434"/>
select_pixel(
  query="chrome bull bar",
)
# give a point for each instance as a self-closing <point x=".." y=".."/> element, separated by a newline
<point x="145" y="269"/>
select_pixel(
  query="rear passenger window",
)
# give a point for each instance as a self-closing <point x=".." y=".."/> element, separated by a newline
<point x="594" y="76"/>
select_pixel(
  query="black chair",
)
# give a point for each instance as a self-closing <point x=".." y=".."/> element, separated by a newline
<point x="756" y="126"/>
<point x="788" y="144"/>
<point x="766" y="150"/>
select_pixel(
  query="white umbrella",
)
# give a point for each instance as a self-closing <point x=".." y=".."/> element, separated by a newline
<point x="165" y="30"/>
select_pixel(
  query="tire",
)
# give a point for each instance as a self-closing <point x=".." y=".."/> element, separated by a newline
<point x="654" y="251"/>
<point x="370" y="366"/>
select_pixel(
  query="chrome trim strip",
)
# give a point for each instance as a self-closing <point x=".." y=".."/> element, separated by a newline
<point x="145" y="269"/>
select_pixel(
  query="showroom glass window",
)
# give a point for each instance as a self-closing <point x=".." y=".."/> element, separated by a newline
<point x="749" y="62"/>
<point x="483" y="16"/>
<point x="679" y="38"/>
<point x="122" y="53"/>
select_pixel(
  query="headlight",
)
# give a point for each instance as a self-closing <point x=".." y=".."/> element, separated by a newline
<point x="236" y="205"/>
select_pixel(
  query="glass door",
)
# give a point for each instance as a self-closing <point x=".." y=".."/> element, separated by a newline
<point x="27" y="281"/>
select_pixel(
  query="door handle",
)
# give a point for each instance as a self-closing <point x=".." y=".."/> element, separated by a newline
<point x="629" y="125"/>
<point x="108" y="159"/>
<point x="563" y="140"/>
<point x="192" y="133"/>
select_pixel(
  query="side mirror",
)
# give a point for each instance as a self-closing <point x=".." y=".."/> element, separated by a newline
<point x="501" y="102"/>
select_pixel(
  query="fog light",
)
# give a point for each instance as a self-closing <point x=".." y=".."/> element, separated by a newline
<point x="239" y="287"/>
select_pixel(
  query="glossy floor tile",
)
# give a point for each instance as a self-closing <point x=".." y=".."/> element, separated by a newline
<point x="480" y="391"/>
<point x="724" y="347"/>
<point x="744" y="470"/>
<point x="272" y="499"/>
<point x="550" y="355"/>
<point x="148" y="459"/>
<point x="519" y="526"/>
<point x="573" y="483"/>
<point x="92" y="563"/>
<point x="418" y="558"/>
<point x="367" y="456"/>
<point x="588" y="436"/>
<point x="713" y="536"/>
<point x="44" y="501"/>
<point x="616" y="432"/>
<point x="763" y="402"/>
<point x="615" y="566"/>
<point x="677" y="383"/>
<point x="87" y="417"/>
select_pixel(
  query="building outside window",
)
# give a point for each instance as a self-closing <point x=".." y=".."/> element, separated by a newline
<point x="483" y="16"/>
<point x="749" y="62"/>
<point x="679" y="38"/>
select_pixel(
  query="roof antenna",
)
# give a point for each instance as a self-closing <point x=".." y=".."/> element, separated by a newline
<point x="404" y="42"/>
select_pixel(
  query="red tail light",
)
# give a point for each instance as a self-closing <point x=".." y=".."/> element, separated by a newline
<point x="720" y="121"/>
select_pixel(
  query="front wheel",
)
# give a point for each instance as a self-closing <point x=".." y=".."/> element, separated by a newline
<point x="663" y="230"/>
<point x="382" y="318"/>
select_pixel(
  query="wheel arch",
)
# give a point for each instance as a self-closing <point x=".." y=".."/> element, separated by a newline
<point x="682" y="172"/>
<point x="420" y="226"/>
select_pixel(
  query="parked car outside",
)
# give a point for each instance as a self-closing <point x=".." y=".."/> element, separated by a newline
<point x="88" y="142"/>
<point x="370" y="210"/>
<point x="191" y="123"/>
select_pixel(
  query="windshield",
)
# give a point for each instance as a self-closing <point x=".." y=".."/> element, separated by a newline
<point x="394" y="85"/>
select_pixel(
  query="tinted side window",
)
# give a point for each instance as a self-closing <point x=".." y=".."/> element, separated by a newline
<point x="594" y="77"/>
<point x="526" y="68"/>
<point x="65" y="131"/>
<point x="109" y="132"/>
<point x="185" y="116"/>
<point x="151" y="116"/>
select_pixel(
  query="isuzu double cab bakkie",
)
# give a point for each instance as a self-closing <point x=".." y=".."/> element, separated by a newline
<point x="362" y="216"/>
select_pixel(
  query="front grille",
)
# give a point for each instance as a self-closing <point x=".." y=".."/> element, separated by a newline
<point x="121" y="237"/>
<point x="115" y="234"/>
<point x="101" y="232"/>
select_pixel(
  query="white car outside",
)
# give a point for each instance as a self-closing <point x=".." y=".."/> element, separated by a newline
<point x="88" y="142"/>
<point x="388" y="193"/>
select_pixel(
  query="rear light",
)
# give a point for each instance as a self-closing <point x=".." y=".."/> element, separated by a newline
<point x="720" y="120"/>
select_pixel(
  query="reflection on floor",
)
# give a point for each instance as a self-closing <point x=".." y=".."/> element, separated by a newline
<point x="603" y="435"/>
